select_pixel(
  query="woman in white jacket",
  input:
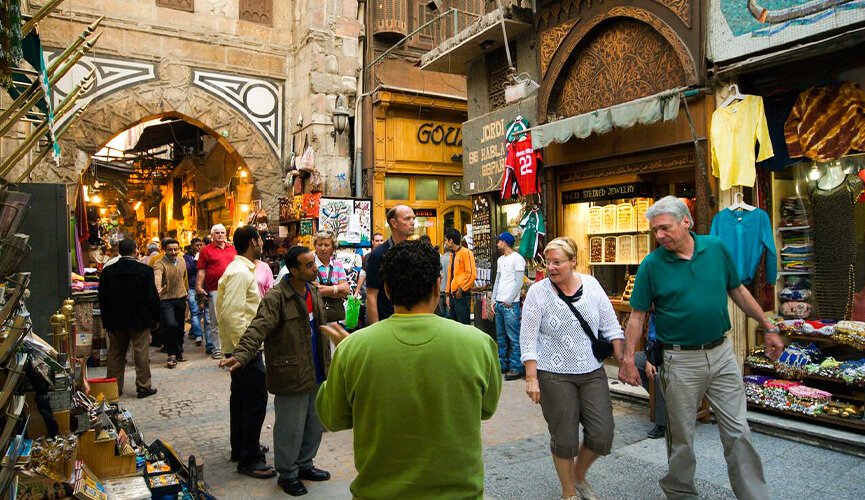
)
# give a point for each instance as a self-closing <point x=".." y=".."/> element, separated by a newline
<point x="562" y="374"/>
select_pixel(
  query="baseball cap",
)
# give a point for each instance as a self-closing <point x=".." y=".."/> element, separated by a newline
<point x="508" y="238"/>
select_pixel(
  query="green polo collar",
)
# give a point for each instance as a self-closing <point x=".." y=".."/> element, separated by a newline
<point x="672" y="257"/>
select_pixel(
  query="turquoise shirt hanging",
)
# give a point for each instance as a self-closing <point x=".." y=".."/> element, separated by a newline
<point x="745" y="234"/>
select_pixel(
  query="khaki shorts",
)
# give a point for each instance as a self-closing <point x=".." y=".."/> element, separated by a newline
<point x="569" y="400"/>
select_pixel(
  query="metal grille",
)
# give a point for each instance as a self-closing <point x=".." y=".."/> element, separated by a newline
<point x="391" y="17"/>
<point x="497" y="77"/>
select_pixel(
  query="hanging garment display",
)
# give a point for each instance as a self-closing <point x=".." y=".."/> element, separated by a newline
<point x="734" y="130"/>
<point x="10" y="40"/>
<point x="827" y="122"/>
<point x="835" y="247"/>
<point x="534" y="233"/>
<point x="778" y="106"/>
<point x="746" y="234"/>
<point x="520" y="176"/>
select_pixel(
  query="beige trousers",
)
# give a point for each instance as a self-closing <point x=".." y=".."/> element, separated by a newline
<point x="686" y="377"/>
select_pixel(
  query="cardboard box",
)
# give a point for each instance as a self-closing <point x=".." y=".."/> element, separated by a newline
<point x="102" y="458"/>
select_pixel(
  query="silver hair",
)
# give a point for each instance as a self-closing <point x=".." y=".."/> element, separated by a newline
<point x="669" y="205"/>
<point x="153" y="247"/>
<point x="217" y="226"/>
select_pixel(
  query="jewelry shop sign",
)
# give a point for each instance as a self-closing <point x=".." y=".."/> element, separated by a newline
<point x="603" y="193"/>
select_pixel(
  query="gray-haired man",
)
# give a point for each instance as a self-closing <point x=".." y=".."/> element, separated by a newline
<point x="688" y="279"/>
<point x="212" y="261"/>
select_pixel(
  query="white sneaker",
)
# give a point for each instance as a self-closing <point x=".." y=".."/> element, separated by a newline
<point x="586" y="492"/>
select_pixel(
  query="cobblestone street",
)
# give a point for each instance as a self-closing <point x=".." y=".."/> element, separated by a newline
<point x="190" y="412"/>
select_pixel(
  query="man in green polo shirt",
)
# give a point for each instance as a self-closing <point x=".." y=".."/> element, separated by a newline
<point x="687" y="280"/>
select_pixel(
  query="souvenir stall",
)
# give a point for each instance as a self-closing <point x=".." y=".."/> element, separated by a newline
<point x="807" y="223"/>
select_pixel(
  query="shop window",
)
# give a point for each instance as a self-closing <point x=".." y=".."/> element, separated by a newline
<point x="396" y="188"/>
<point x="187" y="5"/>
<point x="426" y="189"/>
<point x="454" y="189"/>
<point x="257" y="11"/>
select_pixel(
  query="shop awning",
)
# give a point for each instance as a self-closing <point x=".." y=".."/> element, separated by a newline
<point x="646" y="110"/>
<point x="481" y="37"/>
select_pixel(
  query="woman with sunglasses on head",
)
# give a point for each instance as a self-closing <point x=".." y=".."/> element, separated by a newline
<point x="562" y="373"/>
<point x="332" y="281"/>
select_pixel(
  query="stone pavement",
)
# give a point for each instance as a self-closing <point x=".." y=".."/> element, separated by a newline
<point x="191" y="413"/>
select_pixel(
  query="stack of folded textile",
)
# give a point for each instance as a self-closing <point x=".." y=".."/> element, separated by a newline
<point x="808" y="400"/>
<point x="796" y="297"/>
<point x="795" y="358"/>
<point x="794" y="211"/>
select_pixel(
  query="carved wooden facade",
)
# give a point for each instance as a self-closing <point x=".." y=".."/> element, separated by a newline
<point x="257" y="11"/>
<point x="187" y="5"/>
<point x="390" y="18"/>
<point x="593" y="54"/>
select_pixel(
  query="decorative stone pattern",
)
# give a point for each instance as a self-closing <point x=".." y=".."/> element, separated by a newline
<point x="257" y="11"/>
<point x="556" y="13"/>
<point x="260" y="101"/>
<point x="550" y="41"/>
<point x="625" y="60"/>
<point x="682" y="9"/>
<point x="564" y="53"/>
<point x="111" y="75"/>
<point x="187" y="5"/>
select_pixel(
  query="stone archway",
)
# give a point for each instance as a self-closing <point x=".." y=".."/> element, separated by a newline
<point x="171" y="94"/>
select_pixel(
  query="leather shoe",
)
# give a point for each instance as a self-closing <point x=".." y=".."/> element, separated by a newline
<point x="657" y="432"/>
<point x="513" y="375"/>
<point x="143" y="393"/>
<point x="314" y="474"/>
<point x="292" y="486"/>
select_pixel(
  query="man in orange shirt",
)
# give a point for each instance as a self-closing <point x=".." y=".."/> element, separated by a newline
<point x="461" y="277"/>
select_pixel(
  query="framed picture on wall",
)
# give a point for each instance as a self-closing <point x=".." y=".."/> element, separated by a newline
<point x="349" y="219"/>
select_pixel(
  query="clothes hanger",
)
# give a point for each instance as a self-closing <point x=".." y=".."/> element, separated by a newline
<point x="733" y="96"/>
<point x="517" y="129"/>
<point x="740" y="203"/>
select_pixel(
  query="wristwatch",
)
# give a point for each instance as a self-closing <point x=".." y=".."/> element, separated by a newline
<point x="773" y="330"/>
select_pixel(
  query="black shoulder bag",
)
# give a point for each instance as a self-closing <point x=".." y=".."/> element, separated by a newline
<point x="601" y="349"/>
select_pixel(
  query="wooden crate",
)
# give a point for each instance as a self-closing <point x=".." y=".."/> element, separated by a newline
<point x="102" y="459"/>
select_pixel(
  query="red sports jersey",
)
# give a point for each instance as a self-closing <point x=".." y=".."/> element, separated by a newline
<point x="520" y="176"/>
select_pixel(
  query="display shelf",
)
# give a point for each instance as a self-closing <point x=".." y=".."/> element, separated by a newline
<point x="614" y="263"/>
<point x="793" y="273"/>
<point x="793" y="228"/>
<point x="807" y="377"/>
<point x="856" y="424"/>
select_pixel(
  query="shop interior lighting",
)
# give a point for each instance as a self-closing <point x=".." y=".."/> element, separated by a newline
<point x="95" y="199"/>
<point x="814" y="174"/>
<point x="137" y="205"/>
<point x="243" y="173"/>
<point x="244" y="208"/>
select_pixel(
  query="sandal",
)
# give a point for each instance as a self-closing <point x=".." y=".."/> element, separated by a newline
<point x="172" y="362"/>
<point x="265" y="473"/>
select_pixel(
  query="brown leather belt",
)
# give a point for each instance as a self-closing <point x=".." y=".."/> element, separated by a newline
<point x="701" y="347"/>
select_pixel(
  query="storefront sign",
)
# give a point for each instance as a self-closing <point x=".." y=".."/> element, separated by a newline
<point x="433" y="133"/>
<point x="484" y="146"/>
<point x="632" y="190"/>
<point x="424" y="212"/>
<point x="737" y="29"/>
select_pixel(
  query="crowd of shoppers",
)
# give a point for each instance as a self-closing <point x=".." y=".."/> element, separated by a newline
<point x="418" y="311"/>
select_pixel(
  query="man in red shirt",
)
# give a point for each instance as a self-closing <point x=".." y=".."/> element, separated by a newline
<point x="212" y="261"/>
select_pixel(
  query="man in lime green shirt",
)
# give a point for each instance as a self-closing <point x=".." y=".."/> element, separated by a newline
<point x="414" y="388"/>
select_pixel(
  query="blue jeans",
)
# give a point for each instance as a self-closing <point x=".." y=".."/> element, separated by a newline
<point x="508" y="336"/>
<point x="197" y="316"/>
<point x="461" y="308"/>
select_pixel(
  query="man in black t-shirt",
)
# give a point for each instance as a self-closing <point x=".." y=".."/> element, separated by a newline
<point x="378" y="306"/>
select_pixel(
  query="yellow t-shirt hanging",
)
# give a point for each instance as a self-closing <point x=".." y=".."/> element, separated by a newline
<point x="733" y="132"/>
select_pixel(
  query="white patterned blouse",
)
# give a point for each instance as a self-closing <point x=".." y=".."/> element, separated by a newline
<point x="552" y="336"/>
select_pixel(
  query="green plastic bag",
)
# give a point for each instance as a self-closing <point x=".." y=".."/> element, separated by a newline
<point x="352" y="312"/>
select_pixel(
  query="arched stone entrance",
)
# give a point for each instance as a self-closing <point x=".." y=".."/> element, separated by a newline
<point x="172" y="94"/>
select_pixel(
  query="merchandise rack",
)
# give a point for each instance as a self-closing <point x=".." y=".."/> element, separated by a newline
<point x="840" y="390"/>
